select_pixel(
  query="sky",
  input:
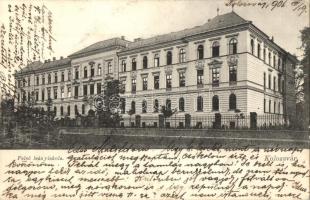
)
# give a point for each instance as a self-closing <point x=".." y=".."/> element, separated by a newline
<point x="78" y="24"/>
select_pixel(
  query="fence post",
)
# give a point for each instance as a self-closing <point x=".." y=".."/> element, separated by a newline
<point x="138" y="120"/>
<point x="161" y="121"/>
<point x="187" y="120"/>
<point x="218" y="119"/>
<point x="253" y="120"/>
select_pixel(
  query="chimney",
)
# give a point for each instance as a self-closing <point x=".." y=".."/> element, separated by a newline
<point x="272" y="38"/>
<point x="49" y="60"/>
<point x="61" y="57"/>
<point x="45" y="61"/>
<point x="137" y="39"/>
<point x="54" y="58"/>
<point x="123" y="37"/>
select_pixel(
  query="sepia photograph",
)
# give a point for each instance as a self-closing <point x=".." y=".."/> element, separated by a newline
<point x="136" y="99"/>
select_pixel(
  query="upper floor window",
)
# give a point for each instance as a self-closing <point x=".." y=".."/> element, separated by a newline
<point x="156" y="82"/>
<point x="232" y="73"/>
<point x="76" y="91"/>
<point x="133" y="64"/>
<point x="133" y="85"/>
<point x="182" y="55"/>
<point x="133" y="106"/>
<point x="43" y="79"/>
<point x="169" y="58"/>
<point x="69" y="75"/>
<point x="84" y="90"/>
<point x="83" y="109"/>
<point x="233" y="46"/>
<point x="264" y="80"/>
<point x="123" y="65"/>
<point x="144" y="83"/>
<point x="98" y="88"/>
<point x="168" y="104"/>
<point x="69" y="91"/>
<point x="274" y="83"/>
<point x="200" y="52"/>
<point x="156" y="60"/>
<point x="37" y="80"/>
<point x="215" y="49"/>
<point x="55" y="93"/>
<point x="252" y="46"/>
<point x="144" y="106"/>
<point x="61" y="110"/>
<point x="28" y="81"/>
<point x="85" y="72"/>
<point x="123" y="105"/>
<point x="68" y="110"/>
<point x="49" y="79"/>
<point x="62" y="76"/>
<point x="264" y="54"/>
<point x="24" y="82"/>
<point x="258" y="50"/>
<point x="215" y="76"/>
<point x="168" y="81"/>
<point x="109" y="68"/>
<point x="92" y="71"/>
<point x="62" y="92"/>
<point x="269" y="58"/>
<point x="215" y="103"/>
<point x="269" y="81"/>
<point x="144" y="62"/>
<point x="76" y="73"/>
<point x="56" y="77"/>
<point x="274" y="61"/>
<point x="181" y="104"/>
<point x="99" y="70"/>
<point x="199" y="103"/>
<point x="232" y="102"/>
<point x="182" y="79"/>
<point x="200" y="77"/>
<point x="91" y="89"/>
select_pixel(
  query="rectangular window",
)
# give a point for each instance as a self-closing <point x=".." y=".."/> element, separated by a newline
<point x="133" y="85"/>
<point x="69" y="75"/>
<point x="62" y="92"/>
<point x="48" y="93"/>
<point x="29" y="96"/>
<point x="274" y="83"/>
<point x="156" y="82"/>
<point x="62" y="76"/>
<point x="145" y="83"/>
<point x="274" y="107"/>
<point x="269" y="106"/>
<point x="69" y="91"/>
<point x="279" y="83"/>
<point x="37" y="95"/>
<point x="38" y="82"/>
<point x="168" y="81"/>
<point x="55" y="77"/>
<point x="28" y="81"/>
<point x="182" y="79"/>
<point x="92" y="72"/>
<point x="269" y="81"/>
<point x="84" y="90"/>
<point x="215" y="76"/>
<point x="76" y="73"/>
<point x="43" y="95"/>
<point x="98" y="88"/>
<point x="264" y="105"/>
<point x="200" y="77"/>
<point x="43" y="79"/>
<point x="109" y="68"/>
<point x="91" y="89"/>
<point x="76" y="91"/>
<point x="264" y="80"/>
<point x="156" y="60"/>
<point x="55" y="93"/>
<point x="232" y="73"/>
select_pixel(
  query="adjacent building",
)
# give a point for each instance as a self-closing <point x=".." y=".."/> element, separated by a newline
<point x="226" y="66"/>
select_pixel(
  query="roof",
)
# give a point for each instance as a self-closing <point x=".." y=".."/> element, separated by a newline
<point x="38" y="65"/>
<point x="113" y="42"/>
<point x="218" y="22"/>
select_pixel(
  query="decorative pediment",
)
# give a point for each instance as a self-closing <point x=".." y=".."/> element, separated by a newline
<point x="232" y="60"/>
<point x="75" y="82"/>
<point x="156" y="73"/>
<point x="123" y="78"/>
<point x="181" y="69"/>
<point x="168" y="70"/>
<point x="133" y="74"/>
<point x="215" y="63"/>
<point x="199" y="64"/>
<point x="91" y="63"/>
<point x="144" y="75"/>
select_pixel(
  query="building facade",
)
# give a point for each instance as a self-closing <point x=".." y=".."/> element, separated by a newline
<point x="226" y="66"/>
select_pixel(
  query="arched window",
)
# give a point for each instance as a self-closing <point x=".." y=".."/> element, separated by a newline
<point x="168" y="104"/>
<point x="156" y="105"/>
<point x="252" y="46"/>
<point x="169" y="58"/>
<point x="199" y="103"/>
<point x="144" y="62"/>
<point x="92" y="71"/>
<point x="61" y="110"/>
<point x="274" y="61"/>
<point x="76" y="111"/>
<point x="181" y="104"/>
<point x="133" y="64"/>
<point x="200" y="52"/>
<point x="233" y="46"/>
<point x="232" y="102"/>
<point x="133" y="106"/>
<point x="83" y="109"/>
<point x="68" y="110"/>
<point x="264" y="54"/>
<point x="269" y="58"/>
<point x="85" y="72"/>
<point x="182" y="55"/>
<point x="123" y="65"/>
<point x="144" y="106"/>
<point x="258" y="50"/>
<point x="123" y="105"/>
<point x="215" y="49"/>
<point x="55" y="110"/>
<point x="215" y="103"/>
<point x="62" y="76"/>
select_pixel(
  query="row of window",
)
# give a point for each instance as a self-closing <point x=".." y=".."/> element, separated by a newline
<point x="275" y="108"/>
<point x="181" y="108"/>
<point x="182" y="55"/>
<point x="62" y="92"/>
<point x="272" y="62"/>
<point x="275" y="83"/>
<point x="200" y="75"/>
<point x="68" y="111"/>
